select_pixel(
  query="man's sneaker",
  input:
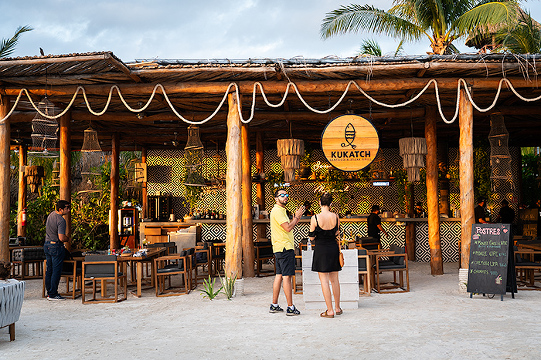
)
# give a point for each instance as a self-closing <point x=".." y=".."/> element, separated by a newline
<point x="292" y="312"/>
<point x="275" y="309"/>
<point x="55" y="298"/>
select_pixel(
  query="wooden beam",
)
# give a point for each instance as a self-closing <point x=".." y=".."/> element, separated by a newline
<point x="21" y="203"/>
<point x="233" y="252"/>
<point x="119" y="65"/>
<point x="65" y="169"/>
<point x="4" y="179"/>
<point x="466" y="177"/>
<point x="115" y="176"/>
<point x="436" y="261"/>
<point x="247" y="233"/>
<point x="277" y="87"/>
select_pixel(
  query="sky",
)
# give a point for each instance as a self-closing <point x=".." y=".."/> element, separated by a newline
<point x="181" y="29"/>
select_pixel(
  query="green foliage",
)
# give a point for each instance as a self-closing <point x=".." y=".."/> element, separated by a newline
<point x="370" y="47"/>
<point x="441" y="22"/>
<point x="274" y="178"/>
<point x="401" y="182"/>
<point x="334" y="182"/>
<point x="228" y="285"/>
<point x="523" y="38"/>
<point x="90" y="220"/>
<point x="7" y="46"/>
<point x="208" y="288"/>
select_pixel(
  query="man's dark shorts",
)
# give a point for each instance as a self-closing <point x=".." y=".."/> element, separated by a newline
<point x="285" y="262"/>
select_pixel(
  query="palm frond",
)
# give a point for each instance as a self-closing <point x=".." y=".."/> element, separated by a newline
<point x="486" y="14"/>
<point x="524" y="38"/>
<point x="353" y="18"/>
<point x="370" y="47"/>
<point x="7" y="46"/>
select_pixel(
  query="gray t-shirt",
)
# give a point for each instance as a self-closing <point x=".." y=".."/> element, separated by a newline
<point x="55" y="225"/>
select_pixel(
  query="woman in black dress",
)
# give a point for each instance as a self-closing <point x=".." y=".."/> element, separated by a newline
<point x="325" y="233"/>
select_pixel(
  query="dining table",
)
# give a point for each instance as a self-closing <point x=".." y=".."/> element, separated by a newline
<point x="137" y="261"/>
<point x="376" y="255"/>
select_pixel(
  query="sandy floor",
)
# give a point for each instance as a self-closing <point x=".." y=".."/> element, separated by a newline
<point x="433" y="321"/>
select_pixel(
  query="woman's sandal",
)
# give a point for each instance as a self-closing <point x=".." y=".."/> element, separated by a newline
<point x="339" y="312"/>
<point x="324" y="314"/>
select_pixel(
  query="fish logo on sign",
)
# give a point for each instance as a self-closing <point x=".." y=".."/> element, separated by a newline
<point x="349" y="135"/>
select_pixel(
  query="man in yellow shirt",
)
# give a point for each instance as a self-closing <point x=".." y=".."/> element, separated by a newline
<point x="283" y="247"/>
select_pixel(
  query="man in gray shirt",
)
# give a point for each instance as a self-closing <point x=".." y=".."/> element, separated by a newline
<point x="55" y="238"/>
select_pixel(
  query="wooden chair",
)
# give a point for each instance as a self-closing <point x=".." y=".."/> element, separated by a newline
<point x="526" y="267"/>
<point x="71" y="272"/>
<point x="368" y="243"/>
<point x="202" y="260"/>
<point x="398" y="265"/>
<point x="217" y="256"/>
<point x="363" y="260"/>
<point x="103" y="268"/>
<point x="25" y="259"/>
<point x="263" y="252"/>
<point x="169" y="265"/>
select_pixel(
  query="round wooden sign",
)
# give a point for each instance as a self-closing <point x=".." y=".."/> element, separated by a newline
<point x="350" y="142"/>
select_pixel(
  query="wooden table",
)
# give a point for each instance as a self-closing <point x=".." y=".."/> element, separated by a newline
<point x="138" y="260"/>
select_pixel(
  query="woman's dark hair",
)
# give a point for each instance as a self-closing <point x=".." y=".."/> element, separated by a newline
<point x="5" y="270"/>
<point x="326" y="199"/>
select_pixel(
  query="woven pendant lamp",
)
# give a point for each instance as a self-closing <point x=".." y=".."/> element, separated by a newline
<point x="412" y="150"/>
<point x="290" y="152"/>
<point x="90" y="141"/>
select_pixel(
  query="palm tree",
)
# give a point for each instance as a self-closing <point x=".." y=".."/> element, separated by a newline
<point x="523" y="38"/>
<point x="371" y="47"/>
<point x="7" y="46"/>
<point x="442" y="21"/>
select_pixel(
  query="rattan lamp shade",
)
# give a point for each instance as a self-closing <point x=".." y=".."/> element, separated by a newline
<point x="90" y="141"/>
<point x="194" y="142"/>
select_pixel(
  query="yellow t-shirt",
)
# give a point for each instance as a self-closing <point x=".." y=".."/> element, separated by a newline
<point x="279" y="237"/>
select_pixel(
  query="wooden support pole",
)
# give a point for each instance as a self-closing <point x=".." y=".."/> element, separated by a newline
<point x="410" y="226"/>
<point x="144" y="192"/>
<point x="4" y="178"/>
<point x="247" y="237"/>
<point x="260" y="186"/>
<point x="436" y="261"/>
<point x="465" y="118"/>
<point x="21" y="203"/>
<point x="233" y="252"/>
<point x="113" y="225"/>
<point x="65" y="169"/>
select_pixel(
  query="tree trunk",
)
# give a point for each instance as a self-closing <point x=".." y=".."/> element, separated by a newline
<point x="144" y="193"/>
<point x="410" y="226"/>
<point x="233" y="252"/>
<point x="113" y="225"/>
<point x="21" y="204"/>
<point x="466" y="176"/>
<point x="247" y="237"/>
<point x="65" y="169"/>
<point x="436" y="261"/>
<point x="4" y="178"/>
<point x="260" y="186"/>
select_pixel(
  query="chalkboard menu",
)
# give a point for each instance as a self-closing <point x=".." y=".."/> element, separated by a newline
<point x="487" y="273"/>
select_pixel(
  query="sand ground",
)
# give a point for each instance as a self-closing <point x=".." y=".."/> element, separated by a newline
<point x="433" y="321"/>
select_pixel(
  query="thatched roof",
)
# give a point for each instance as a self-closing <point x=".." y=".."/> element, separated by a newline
<point x="196" y="87"/>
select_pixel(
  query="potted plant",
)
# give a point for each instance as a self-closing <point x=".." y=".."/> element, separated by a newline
<point x="274" y="178"/>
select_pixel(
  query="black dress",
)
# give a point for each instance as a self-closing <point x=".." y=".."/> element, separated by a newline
<point x="326" y="251"/>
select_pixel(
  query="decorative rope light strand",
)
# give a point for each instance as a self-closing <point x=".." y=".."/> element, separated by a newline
<point x="256" y="85"/>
